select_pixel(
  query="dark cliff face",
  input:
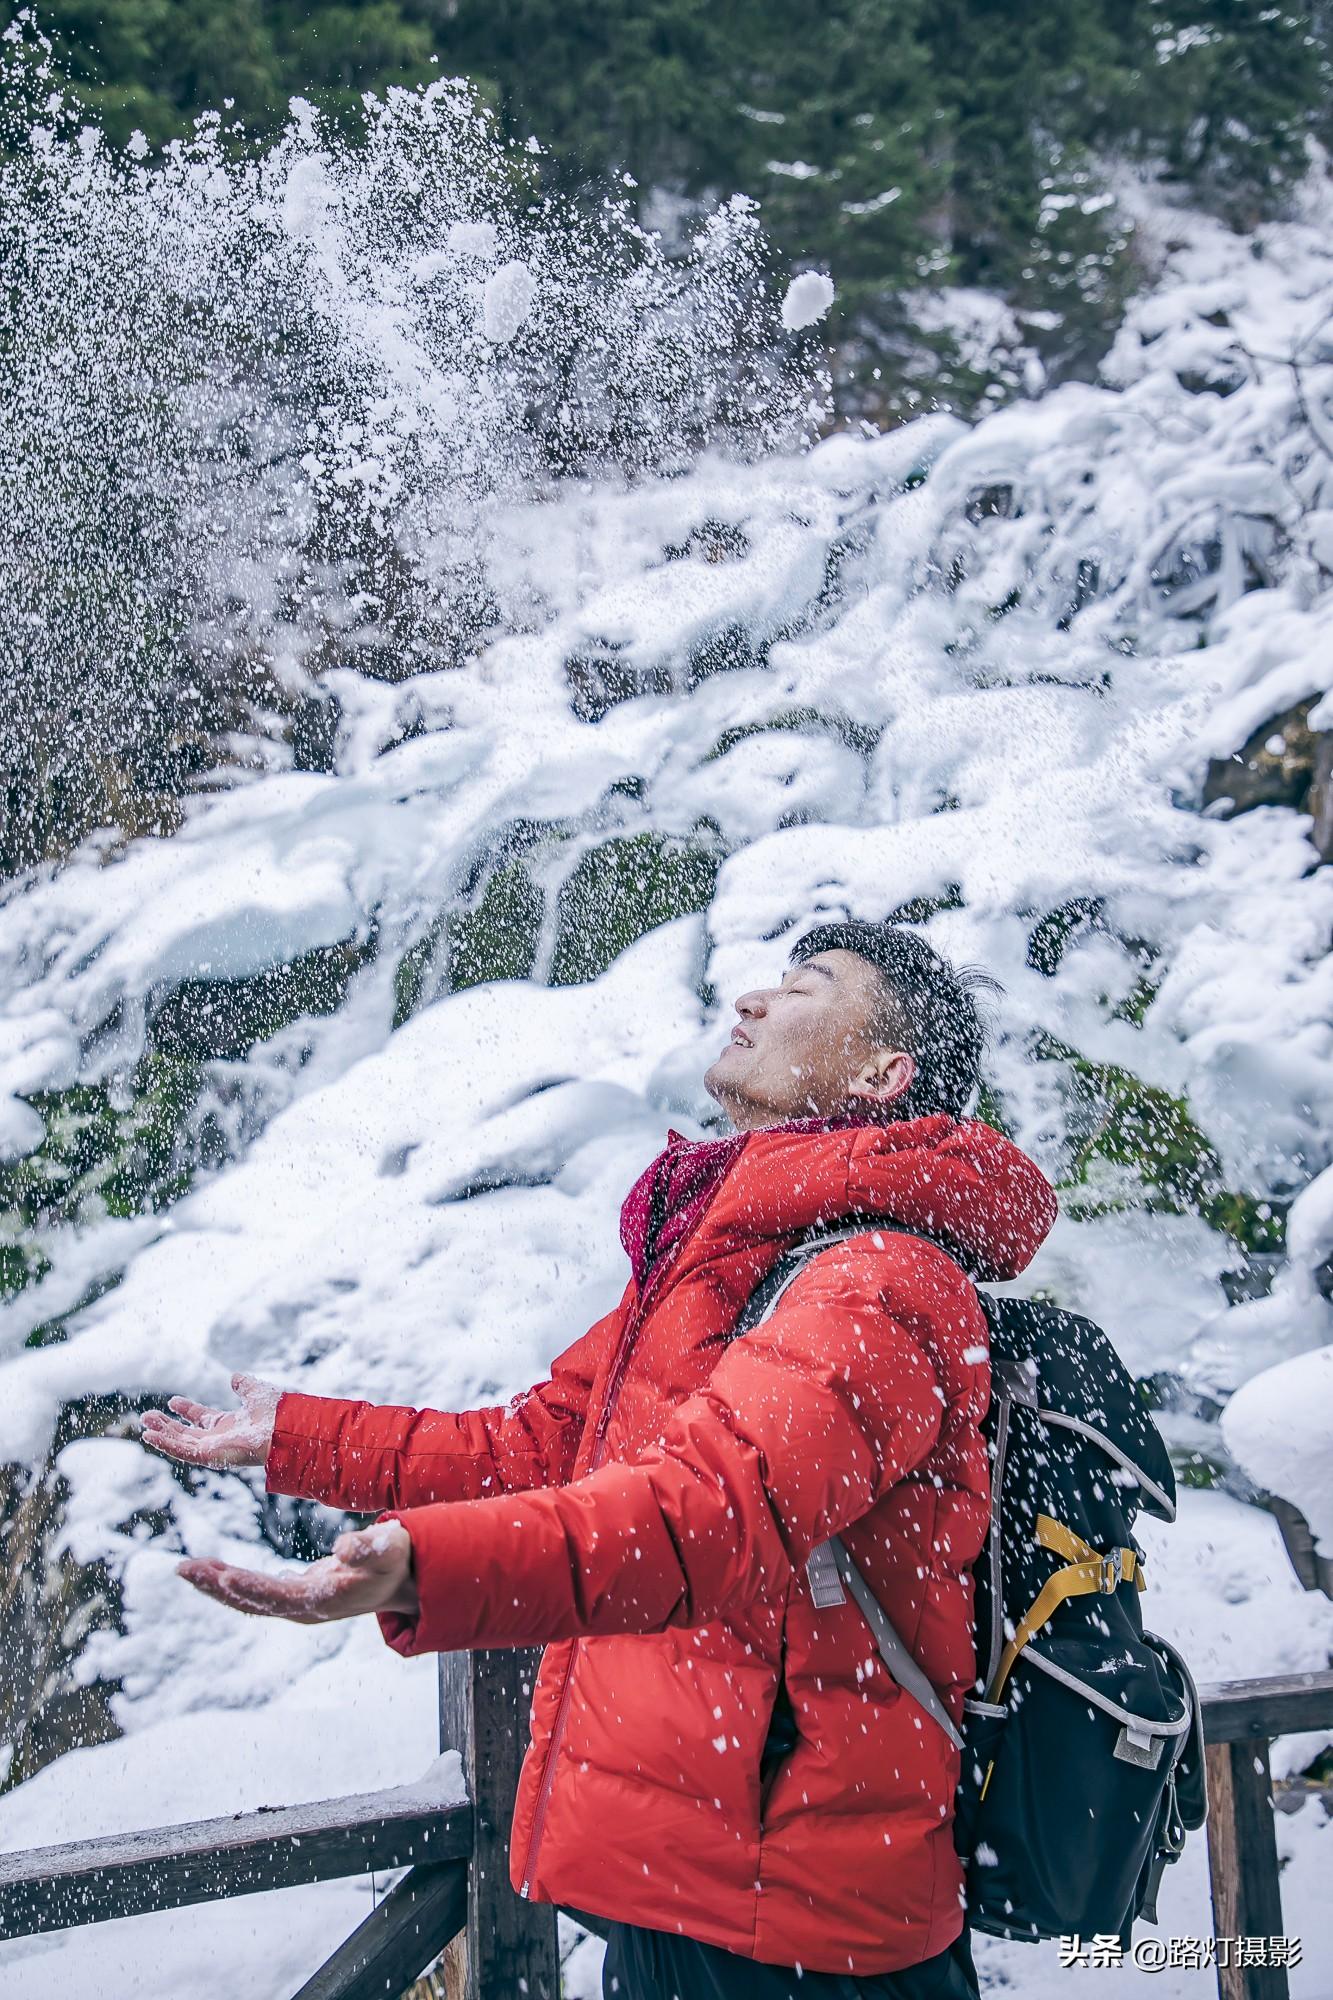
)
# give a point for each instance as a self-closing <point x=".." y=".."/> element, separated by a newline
<point x="50" y="1605"/>
<point x="1284" y="762"/>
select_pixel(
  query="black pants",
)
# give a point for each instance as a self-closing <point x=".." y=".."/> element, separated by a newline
<point x="655" y="1965"/>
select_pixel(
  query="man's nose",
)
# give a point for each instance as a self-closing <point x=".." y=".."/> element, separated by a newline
<point x="750" y="1005"/>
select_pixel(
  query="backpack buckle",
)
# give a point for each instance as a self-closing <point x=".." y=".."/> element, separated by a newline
<point x="821" y="1571"/>
<point x="1113" y="1572"/>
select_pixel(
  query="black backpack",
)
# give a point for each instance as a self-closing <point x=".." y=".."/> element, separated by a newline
<point x="1082" y="1746"/>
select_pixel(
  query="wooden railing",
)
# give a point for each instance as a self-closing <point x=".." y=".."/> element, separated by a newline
<point x="455" y="1853"/>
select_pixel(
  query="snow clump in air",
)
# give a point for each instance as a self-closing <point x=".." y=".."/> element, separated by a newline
<point x="510" y="292"/>
<point x="807" y="300"/>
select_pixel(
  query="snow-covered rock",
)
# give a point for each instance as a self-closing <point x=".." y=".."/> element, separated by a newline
<point x="1279" y="1427"/>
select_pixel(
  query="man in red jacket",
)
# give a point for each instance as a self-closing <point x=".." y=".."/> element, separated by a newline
<point x="721" y="1769"/>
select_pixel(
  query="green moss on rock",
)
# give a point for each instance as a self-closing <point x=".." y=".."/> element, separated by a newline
<point x="920" y="909"/>
<point x="497" y="938"/>
<point x="412" y="974"/>
<point x="50" y="1332"/>
<point x="1199" y="1470"/>
<point x="802" y="722"/>
<point x="622" y="889"/>
<point x="1134" y="1007"/>
<point x="494" y="929"/>
<point x="600" y="679"/>
<point x="1257" y="1226"/>
<point x="1052" y="936"/>
<point x="53" y="1604"/>
<point x="98" y="1157"/>
<point x="21" y="1262"/>
<point x="732" y="650"/>
<point x="225" y="1018"/>
<point x="1138" y="1146"/>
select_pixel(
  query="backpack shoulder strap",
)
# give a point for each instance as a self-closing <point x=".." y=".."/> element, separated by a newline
<point x="831" y="1569"/>
<point x="807" y="1247"/>
<point x="902" y="1667"/>
<point x="789" y="1266"/>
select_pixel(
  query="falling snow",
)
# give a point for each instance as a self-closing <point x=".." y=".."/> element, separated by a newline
<point x="977" y="673"/>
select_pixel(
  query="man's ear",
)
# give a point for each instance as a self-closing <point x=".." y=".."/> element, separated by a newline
<point x="884" y="1077"/>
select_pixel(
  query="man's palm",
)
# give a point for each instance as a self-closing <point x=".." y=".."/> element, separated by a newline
<point x="218" y="1439"/>
<point x="370" y="1570"/>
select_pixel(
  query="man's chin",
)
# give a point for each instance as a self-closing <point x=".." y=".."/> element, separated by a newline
<point x="733" y="1095"/>
<point x="723" y="1084"/>
<point x="715" y="1082"/>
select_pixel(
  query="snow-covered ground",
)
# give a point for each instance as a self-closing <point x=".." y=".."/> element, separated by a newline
<point x="976" y="671"/>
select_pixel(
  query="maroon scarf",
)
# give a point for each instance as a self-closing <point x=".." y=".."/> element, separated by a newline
<point x="669" y="1196"/>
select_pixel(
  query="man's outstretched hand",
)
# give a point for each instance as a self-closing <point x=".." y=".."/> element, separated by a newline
<point x="369" y="1570"/>
<point x="218" y="1439"/>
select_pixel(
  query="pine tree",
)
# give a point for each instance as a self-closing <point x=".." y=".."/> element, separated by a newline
<point x="846" y="140"/>
<point x="1222" y="94"/>
<point x="644" y="86"/>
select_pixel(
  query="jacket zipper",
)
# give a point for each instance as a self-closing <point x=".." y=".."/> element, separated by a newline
<point x="615" y="1378"/>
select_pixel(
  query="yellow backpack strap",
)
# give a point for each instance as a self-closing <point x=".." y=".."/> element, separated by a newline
<point x="1086" y="1570"/>
<point x="1062" y="1541"/>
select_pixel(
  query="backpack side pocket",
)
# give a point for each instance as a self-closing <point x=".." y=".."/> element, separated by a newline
<point x="1185" y="1803"/>
<point x="1064" y="1790"/>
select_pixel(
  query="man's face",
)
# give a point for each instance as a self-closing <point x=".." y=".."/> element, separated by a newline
<point x="809" y="1048"/>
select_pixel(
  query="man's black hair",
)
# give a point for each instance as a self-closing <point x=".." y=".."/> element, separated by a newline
<point x="934" y="1009"/>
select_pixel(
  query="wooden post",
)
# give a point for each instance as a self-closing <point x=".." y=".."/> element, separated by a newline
<point x="1242" y="1853"/>
<point x="484" y="1702"/>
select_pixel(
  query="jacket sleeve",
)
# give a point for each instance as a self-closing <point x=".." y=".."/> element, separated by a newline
<point x="366" y="1457"/>
<point x="804" y="1424"/>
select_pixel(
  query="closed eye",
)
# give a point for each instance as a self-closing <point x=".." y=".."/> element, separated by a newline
<point x="812" y="971"/>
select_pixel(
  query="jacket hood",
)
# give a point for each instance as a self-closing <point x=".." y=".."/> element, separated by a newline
<point x="964" y="1184"/>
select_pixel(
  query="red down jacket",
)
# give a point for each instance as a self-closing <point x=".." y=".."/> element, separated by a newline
<point x="647" y="1512"/>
